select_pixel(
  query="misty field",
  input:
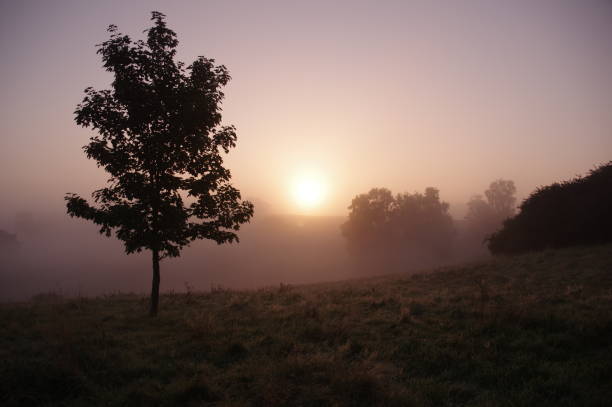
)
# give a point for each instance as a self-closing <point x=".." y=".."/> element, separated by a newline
<point x="528" y="330"/>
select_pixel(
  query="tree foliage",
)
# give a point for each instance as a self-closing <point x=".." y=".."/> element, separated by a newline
<point x="159" y="136"/>
<point x="370" y="217"/>
<point x="501" y="199"/>
<point x="486" y="216"/>
<point x="574" y="212"/>
<point x="412" y="223"/>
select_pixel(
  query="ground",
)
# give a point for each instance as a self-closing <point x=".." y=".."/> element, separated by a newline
<point x="529" y="330"/>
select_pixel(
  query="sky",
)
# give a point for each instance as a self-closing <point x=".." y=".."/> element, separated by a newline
<point x="355" y="94"/>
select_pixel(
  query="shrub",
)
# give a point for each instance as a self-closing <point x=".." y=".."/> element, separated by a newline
<point x="574" y="212"/>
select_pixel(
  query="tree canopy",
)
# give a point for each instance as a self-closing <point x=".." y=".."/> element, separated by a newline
<point x="486" y="216"/>
<point x="414" y="224"/>
<point x="160" y="138"/>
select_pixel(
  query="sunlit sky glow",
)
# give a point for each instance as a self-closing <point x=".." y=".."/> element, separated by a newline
<point x="309" y="190"/>
<point x="401" y="94"/>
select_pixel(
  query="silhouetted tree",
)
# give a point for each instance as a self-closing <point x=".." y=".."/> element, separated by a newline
<point x="574" y="212"/>
<point x="485" y="217"/>
<point x="370" y="218"/>
<point x="500" y="197"/>
<point x="416" y="225"/>
<point x="159" y="137"/>
<point x="424" y="222"/>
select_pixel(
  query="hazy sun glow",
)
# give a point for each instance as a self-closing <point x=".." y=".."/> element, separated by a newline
<point x="308" y="191"/>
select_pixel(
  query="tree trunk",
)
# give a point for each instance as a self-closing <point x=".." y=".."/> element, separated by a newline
<point x="155" y="285"/>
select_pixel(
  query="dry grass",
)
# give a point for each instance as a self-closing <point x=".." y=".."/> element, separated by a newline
<point x="529" y="330"/>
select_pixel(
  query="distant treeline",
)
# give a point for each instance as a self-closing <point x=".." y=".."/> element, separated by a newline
<point x="574" y="212"/>
<point x="416" y="231"/>
<point x="380" y="219"/>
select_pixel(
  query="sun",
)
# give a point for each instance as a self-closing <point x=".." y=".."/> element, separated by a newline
<point x="308" y="191"/>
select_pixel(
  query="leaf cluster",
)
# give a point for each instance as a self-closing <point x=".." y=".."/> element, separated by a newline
<point x="159" y="136"/>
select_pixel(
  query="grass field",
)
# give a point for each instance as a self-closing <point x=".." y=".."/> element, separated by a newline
<point x="532" y="330"/>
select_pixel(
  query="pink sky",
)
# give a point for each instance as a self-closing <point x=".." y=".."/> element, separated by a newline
<point x="451" y="94"/>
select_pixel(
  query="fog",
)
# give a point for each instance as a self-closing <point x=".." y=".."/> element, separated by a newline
<point x="65" y="256"/>
<point x="68" y="257"/>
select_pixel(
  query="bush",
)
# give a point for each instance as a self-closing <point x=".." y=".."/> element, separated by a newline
<point x="574" y="212"/>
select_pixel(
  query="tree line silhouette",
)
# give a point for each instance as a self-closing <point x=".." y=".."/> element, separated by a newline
<point x="399" y="225"/>
<point x="569" y="213"/>
<point x="417" y="229"/>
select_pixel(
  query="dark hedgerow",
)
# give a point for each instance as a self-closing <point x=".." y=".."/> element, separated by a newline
<point x="574" y="212"/>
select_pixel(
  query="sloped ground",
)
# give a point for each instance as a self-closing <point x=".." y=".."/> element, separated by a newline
<point x="528" y="330"/>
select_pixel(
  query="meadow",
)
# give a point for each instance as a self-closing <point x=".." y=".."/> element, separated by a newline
<point x="534" y="329"/>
